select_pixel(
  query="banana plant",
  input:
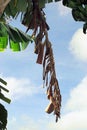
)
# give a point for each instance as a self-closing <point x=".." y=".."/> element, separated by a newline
<point x="33" y="17"/>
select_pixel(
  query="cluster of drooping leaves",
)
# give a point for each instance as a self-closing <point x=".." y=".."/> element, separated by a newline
<point x="50" y="80"/>
<point x="37" y="22"/>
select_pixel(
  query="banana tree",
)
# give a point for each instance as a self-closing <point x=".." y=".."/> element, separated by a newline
<point x="33" y="18"/>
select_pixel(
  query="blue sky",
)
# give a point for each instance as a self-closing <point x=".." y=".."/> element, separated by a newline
<point x="24" y="77"/>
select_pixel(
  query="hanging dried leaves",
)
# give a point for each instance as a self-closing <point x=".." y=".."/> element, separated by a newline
<point x="50" y="80"/>
<point x="43" y="49"/>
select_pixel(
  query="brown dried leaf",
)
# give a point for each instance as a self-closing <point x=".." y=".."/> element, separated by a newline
<point x="40" y="53"/>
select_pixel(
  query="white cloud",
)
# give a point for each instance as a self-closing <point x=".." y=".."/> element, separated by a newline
<point x="26" y="126"/>
<point x="27" y="123"/>
<point x="71" y="121"/>
<point x="63" y="10"/>
<point x="78" y="97"/>
<point x="19" y="88"/>
<point x="78" y="45"/>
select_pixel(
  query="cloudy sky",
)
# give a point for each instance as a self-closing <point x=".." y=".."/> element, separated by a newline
<point x="24" y="77"/>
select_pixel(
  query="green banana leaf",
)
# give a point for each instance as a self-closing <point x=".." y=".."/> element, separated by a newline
<point x="14" y="46"/>
<point x="1" y="87"/>
<point x="3" y="43"/>
<point x="2" y="97"/>
<point x="21" y="7"/>
<point x="16" y="39"/>
<point x="3" y="81"/>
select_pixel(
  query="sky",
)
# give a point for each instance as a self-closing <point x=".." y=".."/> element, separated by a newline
<point x="24" y="77"/>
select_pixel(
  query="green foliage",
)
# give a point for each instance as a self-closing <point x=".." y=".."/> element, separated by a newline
<point x="3" y="117"/>
<point x="3" y="111"/>
<point x="4" y="98"/>
<point x="3" y="88"/>
<point x="3" y="81"/>
<point x="79" y="10"/>
<point x="16" y="39"/>
<point x="15" y="7"/>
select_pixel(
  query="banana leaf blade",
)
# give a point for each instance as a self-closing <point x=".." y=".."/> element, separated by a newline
<point x="4" y="98"/>
<point x="17" y="39"/>
<point x="3" y="81"/>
